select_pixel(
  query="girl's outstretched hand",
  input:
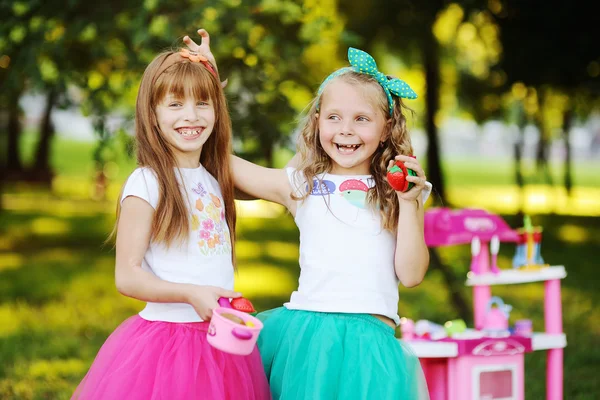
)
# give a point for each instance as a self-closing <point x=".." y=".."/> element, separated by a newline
<point x="419" y="180"/>
<point x="204" y="299"/>
<point x="203" y="48"/>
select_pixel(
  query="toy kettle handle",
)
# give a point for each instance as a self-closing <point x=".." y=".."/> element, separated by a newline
<point x="497" y="301"/>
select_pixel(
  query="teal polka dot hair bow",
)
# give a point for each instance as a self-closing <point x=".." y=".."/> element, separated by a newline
<point x="363" y="63"/>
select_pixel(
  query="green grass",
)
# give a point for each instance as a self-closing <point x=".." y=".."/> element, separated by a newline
<point x="478" y="171"/>
<point x="58" y="302"/>
<point x="74" y="160"/>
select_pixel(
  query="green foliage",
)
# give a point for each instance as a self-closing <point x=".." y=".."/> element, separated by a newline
<point x="103" y="48"/>
<point x="549" y="50"/>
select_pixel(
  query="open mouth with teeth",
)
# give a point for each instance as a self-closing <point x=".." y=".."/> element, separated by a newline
<point x="347" y="148"/>
<point x="190" y="133"/>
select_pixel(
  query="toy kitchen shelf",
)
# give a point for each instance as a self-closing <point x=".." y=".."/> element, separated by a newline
<point x="492" y="367"/>
<point x="539" y="341"/>
<point x="553" y="338"/>
<point x="515" y="276"/>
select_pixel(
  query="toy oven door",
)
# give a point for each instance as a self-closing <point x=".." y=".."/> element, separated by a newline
<point x="495" y="382"/>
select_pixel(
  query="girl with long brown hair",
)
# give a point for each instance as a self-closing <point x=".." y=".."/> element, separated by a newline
<point x="175" y="236"/>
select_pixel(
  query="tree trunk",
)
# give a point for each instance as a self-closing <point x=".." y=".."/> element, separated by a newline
<point x="2" y="164"/>
<point x="266" y="140"/>
<point x="101" y="181"/>
<point x="2" y="172"/>
<point x="14" y="167"/>
<point x="568" y="172"/>
<point x="519" y="177"/>
<point x="267" y="148"/>
<point x="542" y="161"/>
<point x="541" y="154"/>
<point x="518" y="158"/>
<point x="42" y="170"/>
<point x="431" y="58"/>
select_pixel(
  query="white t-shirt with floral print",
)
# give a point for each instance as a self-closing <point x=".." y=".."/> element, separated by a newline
<point x="205" y="258"/>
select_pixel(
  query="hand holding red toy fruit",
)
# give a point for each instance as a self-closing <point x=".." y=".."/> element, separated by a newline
<point x="396" y="177"/>
<point x="239" y="303"/>
<point x="405" y="173"/>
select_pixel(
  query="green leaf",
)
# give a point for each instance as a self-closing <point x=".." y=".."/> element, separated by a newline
<point x="89" y="33"/>
<point x="159" y="25"/>
<point x="20" y="8"/>
<point x="36" y="23"/>
<point x="150" y="5"/>
<point x="95" y="80"/>
<point x="48" y="70"/>
<point x="17" y="34"/>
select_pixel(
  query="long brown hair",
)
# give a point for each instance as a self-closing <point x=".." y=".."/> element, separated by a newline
<point x="171" y="222"/>
<point x="315" y="161"/>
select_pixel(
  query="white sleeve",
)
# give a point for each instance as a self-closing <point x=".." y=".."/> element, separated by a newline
<point x="426" y="191"/>
<point x="142" y="183"/>
<point x="297" y="182"/>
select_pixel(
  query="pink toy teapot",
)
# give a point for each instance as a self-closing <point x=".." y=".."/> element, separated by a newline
<point x="496" y="318"/>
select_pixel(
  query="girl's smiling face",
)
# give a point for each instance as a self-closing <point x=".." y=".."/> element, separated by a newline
<point x="350" y="128"/>
<point x="185" y="124"/>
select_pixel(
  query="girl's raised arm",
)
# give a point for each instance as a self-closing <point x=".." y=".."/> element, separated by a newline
<point x="412" y="255"/>
<point x="260" y="182"/>
<point x="203" y="48"/>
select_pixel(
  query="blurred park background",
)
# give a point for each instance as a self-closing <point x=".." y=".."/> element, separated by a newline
<point x="508" y="119"/>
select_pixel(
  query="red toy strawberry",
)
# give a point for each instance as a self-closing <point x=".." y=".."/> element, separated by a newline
<point x="396" y="177"/>
<point x="242" y="304"/>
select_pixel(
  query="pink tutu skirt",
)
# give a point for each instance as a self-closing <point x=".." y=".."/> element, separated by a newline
<point x="162" y="360"/>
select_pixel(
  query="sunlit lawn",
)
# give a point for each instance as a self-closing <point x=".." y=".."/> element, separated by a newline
<point x="474" y="182"/>
<point x="58" y="302"/>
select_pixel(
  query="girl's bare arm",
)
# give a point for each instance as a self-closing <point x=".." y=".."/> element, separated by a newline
<point x="133" y="239"/>
<point x="411" y="259"/>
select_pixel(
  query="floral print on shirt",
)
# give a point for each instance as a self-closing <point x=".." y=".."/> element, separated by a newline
<point x="208" y="220"/>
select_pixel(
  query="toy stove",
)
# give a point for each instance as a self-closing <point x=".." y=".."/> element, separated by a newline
<point x="487" y="363"/>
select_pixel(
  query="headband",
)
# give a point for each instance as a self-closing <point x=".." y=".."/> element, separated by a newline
<point x="182" y="55"/>
<point x="362" y="63"/>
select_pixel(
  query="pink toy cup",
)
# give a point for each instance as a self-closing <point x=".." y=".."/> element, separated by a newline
<point x="523" y="327"/>
<point x="232" y="337"/>
<point x="407" y="327"/>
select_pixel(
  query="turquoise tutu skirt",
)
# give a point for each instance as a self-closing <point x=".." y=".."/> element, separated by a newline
<point x="322" y="356"/>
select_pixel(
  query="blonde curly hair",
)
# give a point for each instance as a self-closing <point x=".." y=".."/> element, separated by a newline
<point x="315" y="161"/>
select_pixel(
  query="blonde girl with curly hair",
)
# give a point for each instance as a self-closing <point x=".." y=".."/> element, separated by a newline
<point x="359" y="239"/>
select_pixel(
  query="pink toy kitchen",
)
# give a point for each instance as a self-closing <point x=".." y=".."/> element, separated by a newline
<point x="486" y="362"/>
